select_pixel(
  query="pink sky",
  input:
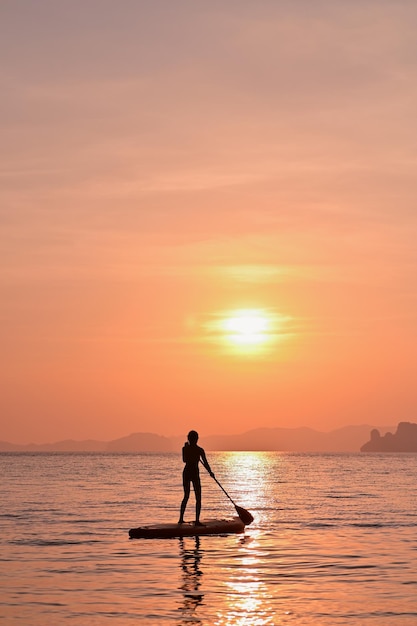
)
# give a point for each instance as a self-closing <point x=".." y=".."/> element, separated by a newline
<point x="164" y="164"/>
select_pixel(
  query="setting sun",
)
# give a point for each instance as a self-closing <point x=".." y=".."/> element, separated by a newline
<point x="247" y="327"/>
<point x="247" y="331"/>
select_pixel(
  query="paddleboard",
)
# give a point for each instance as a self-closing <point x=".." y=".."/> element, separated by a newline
<point x="188" y="529"/>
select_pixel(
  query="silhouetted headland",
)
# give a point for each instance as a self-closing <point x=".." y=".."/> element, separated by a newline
<point x="403" y="440"/>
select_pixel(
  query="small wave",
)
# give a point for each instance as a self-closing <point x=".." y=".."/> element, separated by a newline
<point x="51" y="542"/>
<point x="388" y="614"/>
<point x="350" y="496"/>
<point x="334" y="496"/>
<point x="89" y="521"/>
<point x="368" y="525"/>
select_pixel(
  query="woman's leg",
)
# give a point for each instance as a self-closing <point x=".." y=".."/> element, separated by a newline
<point x="197" y="491"/>
<point x="186" y="485"/>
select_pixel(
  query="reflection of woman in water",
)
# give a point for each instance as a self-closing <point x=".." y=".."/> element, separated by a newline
<point x="191" y="577"/>
<point x="191" y="455"/>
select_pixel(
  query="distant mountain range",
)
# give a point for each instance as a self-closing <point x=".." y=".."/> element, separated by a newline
<point x="347" y="439"/>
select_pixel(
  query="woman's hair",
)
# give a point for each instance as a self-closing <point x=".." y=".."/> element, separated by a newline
<point x="192" y="436"/>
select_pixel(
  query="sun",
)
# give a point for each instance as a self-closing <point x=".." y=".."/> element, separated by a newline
<point x="251" y="332"/>
<point x="247" y="327"/>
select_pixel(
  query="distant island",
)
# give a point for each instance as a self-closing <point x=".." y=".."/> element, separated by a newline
<point x="403" y="440"/>
<point x="346" y="439"/>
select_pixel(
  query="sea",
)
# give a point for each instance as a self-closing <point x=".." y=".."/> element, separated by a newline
<point x="333" y="542"/>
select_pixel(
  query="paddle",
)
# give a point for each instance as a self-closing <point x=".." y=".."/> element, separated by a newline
<point x="245" y="516"/>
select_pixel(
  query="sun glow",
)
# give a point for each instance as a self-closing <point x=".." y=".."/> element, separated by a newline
<point x="247" y="327"/>
<point x="247" y="332"/>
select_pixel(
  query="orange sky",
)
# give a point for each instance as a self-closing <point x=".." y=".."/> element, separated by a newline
<point x="165" y="163"/>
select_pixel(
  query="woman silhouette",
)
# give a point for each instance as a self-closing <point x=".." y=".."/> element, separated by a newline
<point x="191" y="455"/>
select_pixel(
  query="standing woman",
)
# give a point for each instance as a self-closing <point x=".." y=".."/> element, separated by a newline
<point x="191" y="455"/>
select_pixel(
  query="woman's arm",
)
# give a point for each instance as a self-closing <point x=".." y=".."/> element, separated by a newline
<point x="206" y="463"/>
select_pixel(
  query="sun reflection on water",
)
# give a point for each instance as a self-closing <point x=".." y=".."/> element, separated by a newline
<point x="248" y="600"/>
<point x="251" y="471"/>
<point x="248" y="464"/>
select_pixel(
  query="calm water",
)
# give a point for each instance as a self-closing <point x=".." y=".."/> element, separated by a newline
<point x="334" y="541"/>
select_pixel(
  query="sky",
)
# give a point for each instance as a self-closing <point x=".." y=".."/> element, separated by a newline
<point x="169" y="169"/>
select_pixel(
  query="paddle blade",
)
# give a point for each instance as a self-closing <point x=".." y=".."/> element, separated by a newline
<point x="245" y="516"/>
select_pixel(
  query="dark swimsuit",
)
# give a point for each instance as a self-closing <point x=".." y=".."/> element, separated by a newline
<point x="191" y="473"/>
